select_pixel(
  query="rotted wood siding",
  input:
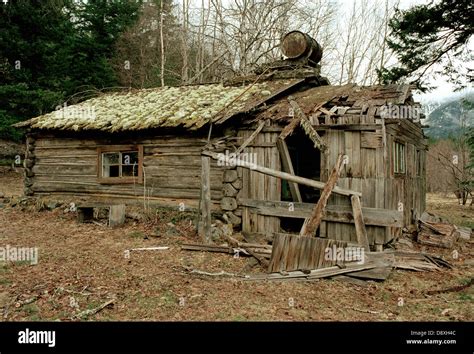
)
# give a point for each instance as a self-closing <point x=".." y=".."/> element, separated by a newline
<point x="171" y="170"/>
<point x="368" y="172"/>
<point x="364" y="172"/>
<point x="258" y="186"/>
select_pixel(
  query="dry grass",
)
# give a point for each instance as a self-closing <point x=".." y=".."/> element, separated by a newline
<point x="85" y="264"/>
<point x="448" y="207"/>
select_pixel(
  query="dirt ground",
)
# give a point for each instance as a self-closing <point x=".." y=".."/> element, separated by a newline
<point x="82" y="266"/>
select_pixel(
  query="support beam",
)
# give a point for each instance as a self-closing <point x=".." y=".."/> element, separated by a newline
<point x="361" y="231"/>
<point x="332" y="213"/>
<point x="306" y="125"/>
<point x="288" y="129"/>
<point x="287" y="166"/>
<point x="279" y="174"/>
<point x="205" y="205"/>
<point x="311" y="224"/>
<point x="250" y="138"/>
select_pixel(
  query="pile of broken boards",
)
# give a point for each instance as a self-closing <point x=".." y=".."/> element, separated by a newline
<point x="300" y="258"/>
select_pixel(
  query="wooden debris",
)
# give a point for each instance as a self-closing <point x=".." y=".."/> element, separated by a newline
<point x="384" y="262"/>
<point x="464" y="233"/>
<point x="218" y="274"/>
<point x="249" y="250"/>
<point x="419" y="261"/>
<point x="311" y="224"/>
<point x="260" y="251"/>
<point x="361" y="231"/>
<point x="313" y="274"/>
<point x="306" y="125"/>
<point x="161" y="248"/>
<point x="288" y="130"/>
<point x="87" y="313"/>
<point x="366" y="311"/>
<point x="437" y="234"/>
<point x="302" y="253"/>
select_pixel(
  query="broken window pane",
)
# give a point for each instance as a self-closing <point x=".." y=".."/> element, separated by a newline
<point x="110" y="158"/>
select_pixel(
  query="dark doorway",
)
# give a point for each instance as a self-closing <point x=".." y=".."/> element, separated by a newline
<point x="306" y="160"/>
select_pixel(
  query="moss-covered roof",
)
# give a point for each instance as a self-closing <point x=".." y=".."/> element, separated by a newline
<point x="186" y="106"/>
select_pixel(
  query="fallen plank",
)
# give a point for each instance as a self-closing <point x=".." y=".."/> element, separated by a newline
<point x="378" y="273"/>
<point x="288" y="129"/>
<point x="218" y="274"/>
<point x="264" y="252"/>
<point x="464" y="232"/>
<point x="306" y="125"/>
<point x="361" y="231"/>
<point x="161" y="248"/>
<point x="87" y="313"/>
<point x="417" y="261"/>
<point x="278" y="174"/>
<point x="311" y="224"/>
<point x="208" y="248"/>
<point x="313" y="274"/>
<point x="249" y="250"/>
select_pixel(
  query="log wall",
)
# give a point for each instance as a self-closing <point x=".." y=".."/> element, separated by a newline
<point x="171" y="170"/>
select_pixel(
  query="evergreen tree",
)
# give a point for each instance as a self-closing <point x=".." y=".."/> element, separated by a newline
<point x="431" y="34"/>
<point x="53" y="49"/>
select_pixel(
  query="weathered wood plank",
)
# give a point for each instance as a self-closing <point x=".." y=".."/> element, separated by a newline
<point x="311" y="224"/>
<point x="284" y="175"/>
<point x="205" y="230"/>
<point x="333" y="213"/>
<point x="361" y="232"/>
<point x="250" y="138"/>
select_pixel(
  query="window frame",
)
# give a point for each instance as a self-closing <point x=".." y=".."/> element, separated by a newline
<point x="395" y="158"/>
<point x="120" y="149"/>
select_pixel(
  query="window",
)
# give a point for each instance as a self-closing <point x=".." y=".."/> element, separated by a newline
<point x="120" y="164"/>
<point x="399" y="160"/>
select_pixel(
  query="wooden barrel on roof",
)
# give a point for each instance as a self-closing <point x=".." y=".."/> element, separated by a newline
<point x="296" y="44"/>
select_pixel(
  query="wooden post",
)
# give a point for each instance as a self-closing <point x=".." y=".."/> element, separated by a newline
<point x="287" y="166"/>
<point x="361" y="232"/>
<point x="311" y="224"/>
<point x="205" y="229"/>
<point x="279" y="174"/>
<point x="116" y="215"/>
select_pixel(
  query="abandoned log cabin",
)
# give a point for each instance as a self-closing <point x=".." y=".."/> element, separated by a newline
<point x="147" y="146"/>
